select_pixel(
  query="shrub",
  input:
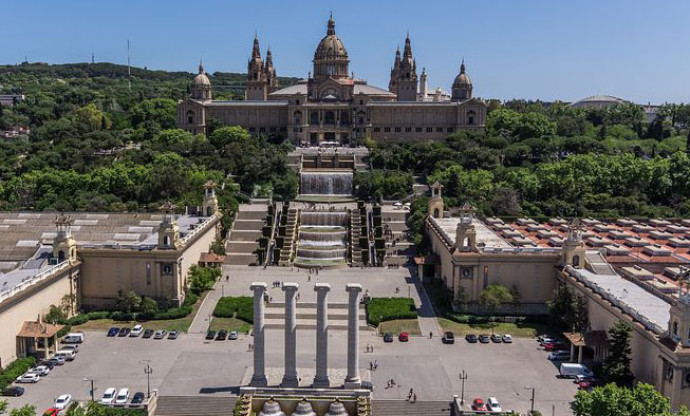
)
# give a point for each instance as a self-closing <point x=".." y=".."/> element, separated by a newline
<point x="14" y="370"/>
<point x="240" y="307"/>
<point x="122" y="316"/>
<point x="387" y="309"/>
<point x="64" y="331"/>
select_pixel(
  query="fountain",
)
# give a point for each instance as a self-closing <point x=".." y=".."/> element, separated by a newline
<point x="323" y="238"/>
<point x="329" y="182"/>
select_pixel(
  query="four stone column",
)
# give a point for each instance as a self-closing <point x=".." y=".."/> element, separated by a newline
<point x="352" y="380"/>
<point x="259" y="376"/>
<point x="290" y="378"/>
<point x="321" y="379"/>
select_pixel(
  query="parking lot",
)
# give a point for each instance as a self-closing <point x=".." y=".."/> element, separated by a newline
<point x="192" y="366"/>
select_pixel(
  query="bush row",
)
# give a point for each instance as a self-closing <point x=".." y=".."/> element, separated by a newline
<point x="240" y="307"/>
<point x="14" y="370"/>
<point x="387" y="309"/>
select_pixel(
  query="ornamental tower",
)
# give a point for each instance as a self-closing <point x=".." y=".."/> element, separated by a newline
<point x="257" y="83"/>
<point x="331" y="59"/>
<point x="462" y="86"/>
<point x="270" y="72"/>
<point x="393" y="84"/>
<point x="201" y="85"/>
<point x="406" y="85"/>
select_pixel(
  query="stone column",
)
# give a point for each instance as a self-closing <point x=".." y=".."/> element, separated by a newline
<point x="321" y="379"/>
<point x="290" y="378"/>
<point x="352" y="380"/>
<point x="259" y="376"/>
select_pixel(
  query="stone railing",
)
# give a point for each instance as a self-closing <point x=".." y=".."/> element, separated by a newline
<point x="30" y="281"/>
<point x="199" y="228"/>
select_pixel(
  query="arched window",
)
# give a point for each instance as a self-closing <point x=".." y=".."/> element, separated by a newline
<point x="436" y="213"/>
<point x="675" y="328"/>
<point x="61" y="256"/>
<point x="166" y="241"/>
<point x="576" y="261"/>
<point x="190" y="117"/>
<point x="314" y="117"/>
<point x="297" y="115"/>
<point x="470" y="117"/>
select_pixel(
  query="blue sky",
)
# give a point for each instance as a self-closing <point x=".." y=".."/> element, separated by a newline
<point x="539" y="49"/>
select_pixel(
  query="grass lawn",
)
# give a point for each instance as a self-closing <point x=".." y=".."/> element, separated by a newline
<point x="181" y="324"/>
<point x="230" y="324"/>
<point x="397" y="326"/>
<point x="527" y="330"/>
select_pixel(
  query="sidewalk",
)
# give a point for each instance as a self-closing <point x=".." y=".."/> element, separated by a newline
<point x="201" y="321"/>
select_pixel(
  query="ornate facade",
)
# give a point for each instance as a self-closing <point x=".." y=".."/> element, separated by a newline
<point x="333" y="106"/>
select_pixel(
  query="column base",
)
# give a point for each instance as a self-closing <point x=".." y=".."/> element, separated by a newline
<point x="290" y="381"/>
<point x="259" y="381"/>
<point x="354" y="383"/>
<point x="321" y="383"/>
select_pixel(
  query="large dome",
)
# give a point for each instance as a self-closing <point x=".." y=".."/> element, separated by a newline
<point x="202" y="79"/>
<point x="330" y="47"/>
<point x="462" y="80"/>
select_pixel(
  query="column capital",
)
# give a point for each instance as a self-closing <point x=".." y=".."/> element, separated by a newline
<point x="322" y="287"/>
<point x="353" y="287"/>
<point x="290" y="286"/>
<point x="258" y="286"/>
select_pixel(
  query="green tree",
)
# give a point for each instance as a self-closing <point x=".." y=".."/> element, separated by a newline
<point x="55" y="315"/>
<point x="616" y="366"/>
<point x="493" y="296"/>
<point x="562" y="307"/>
<point x="3" y="403"/>
<point x="148" y="307"/>
<point x="581" y="319"/>
<point x="128" y="301"/>
<point x="224" y="136"/>
<point x="611" y="400"/>
<point x="26" y="410"/>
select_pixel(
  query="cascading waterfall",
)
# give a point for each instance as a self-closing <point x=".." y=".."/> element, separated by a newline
<point x="323" y="238"/>
<point x="326" y="183"/>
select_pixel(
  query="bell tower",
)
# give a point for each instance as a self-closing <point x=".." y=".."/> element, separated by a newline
<point x="679" y="321"/>
<point x="465" y="233"/>
<point x="436" y="201"/>
<point x="257" y="84"/>
<point x="573" y="247"/>
<point x="168" y="231"/>
<point x="406" y="85"/>
<point x="64" y="245"/>
<point x="210" y="199"/>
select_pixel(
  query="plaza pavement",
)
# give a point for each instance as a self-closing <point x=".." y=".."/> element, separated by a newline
<point x="192" y="366"/>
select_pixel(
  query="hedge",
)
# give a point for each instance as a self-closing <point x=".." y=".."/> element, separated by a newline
<point x="14" y="370"/>
<point x="387" y="309"/>
<point x="240" y="307"/>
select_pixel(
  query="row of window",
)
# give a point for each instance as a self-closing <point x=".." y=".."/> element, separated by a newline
<point x="270" y="129"/>
<point x="417" y="129"/>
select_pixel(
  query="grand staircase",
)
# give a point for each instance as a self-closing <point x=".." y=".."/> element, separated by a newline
<point x="398" y="249"/>
<point x="243" y="239"/>
<point x="195" y="406"/>
<point x="405" y="408"/>
<point x="306" y="316"/>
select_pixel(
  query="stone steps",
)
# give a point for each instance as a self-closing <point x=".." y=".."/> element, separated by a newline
<point x="405" y="408"/>
<point x="195" y="406"/>
<point x="248" y="224"/>
<point x="244" y="235"/>
<point x="239" y="259"/>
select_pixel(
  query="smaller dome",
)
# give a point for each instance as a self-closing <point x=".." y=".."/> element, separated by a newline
<point x="271" y="408"/>
<point x="201" y="78"/>
<point x="462" y="79"/>
<point x="337" y="408"/>
<point x="304" y="409"/>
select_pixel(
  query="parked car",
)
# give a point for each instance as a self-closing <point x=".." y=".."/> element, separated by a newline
<point x="47" y="363"/>
<point x="67" y="355"/>
<point x="136" y="331"/>
<point x="160" y="334"/>
<point x="148" y="333"/>
<point x="56" y="360"/>
<point x="404" y="337"/>
<point x="233" y="335"/>
<point x="122" y="396"/>
<point x="448" y="338"/>
<point x="541" y="337"/>
<point x="124" y="332"/>
<point x="559" y="356"/>
<point x="41" y="370"/>
<point x="554" y="346"/>
<point x="28" y="378"/>
<point x="493" y="406"/>
<point x="138" y="398"/>
<point x="387" y="337"/>
<point x="548" y="340"/>
<point x="471" y="338"/>
<point x="210" y="334"/>
<point x="51" y="412"/>
<point x="507" y="338"/>
<point x="108" y="395"/>
<point x="478" y="405"/>
<point x="496" y="338"/>
<point x="222" y="334"/>
<point x="484" y="338"/>
<point x="68" y="339"/>
<point x="14" y="391"/>
<point x="113" y="331"/>
<point x="63" y="401"/>
<point x="75" y="337"/>
<point x="70" y="347"/>
<point x="173" y="334"/>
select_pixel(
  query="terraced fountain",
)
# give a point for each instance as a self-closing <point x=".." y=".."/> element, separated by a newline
<point x="323" y="238"/>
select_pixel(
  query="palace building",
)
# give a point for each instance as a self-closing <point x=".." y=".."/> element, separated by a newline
<point x="332" y="106"/>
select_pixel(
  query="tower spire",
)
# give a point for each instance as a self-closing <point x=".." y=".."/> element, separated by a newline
<point x="201" y="66"/>
<point x="331" y="26"/>
<point x="462" y="66"/>
<point x="408" y="46"/>
<point x="256" y="52"/>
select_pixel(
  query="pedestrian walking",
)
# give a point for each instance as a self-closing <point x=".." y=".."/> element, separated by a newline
<point x="414" y="398"/>
<point x="431" y="335"/>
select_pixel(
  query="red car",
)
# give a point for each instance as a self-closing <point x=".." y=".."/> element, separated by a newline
<point x="51" y="412"/>
<point x="478" y="405"/>
<point x="554" y="346"/>
<point x="404" y="337"/>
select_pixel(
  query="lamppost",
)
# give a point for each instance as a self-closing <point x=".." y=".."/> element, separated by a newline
<point x="148" y="370"/>
<point x="463" y="377"/>
<point x="532" y="407"/>
<point x="92" y="388"/>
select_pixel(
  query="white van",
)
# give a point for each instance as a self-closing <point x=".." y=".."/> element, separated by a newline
<point x="108" y="395"/>
<point x="73" y="338"/>
<point x="68" y="355"/>
<point x="572" y="370"/>
<point x="122" y="396"/>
